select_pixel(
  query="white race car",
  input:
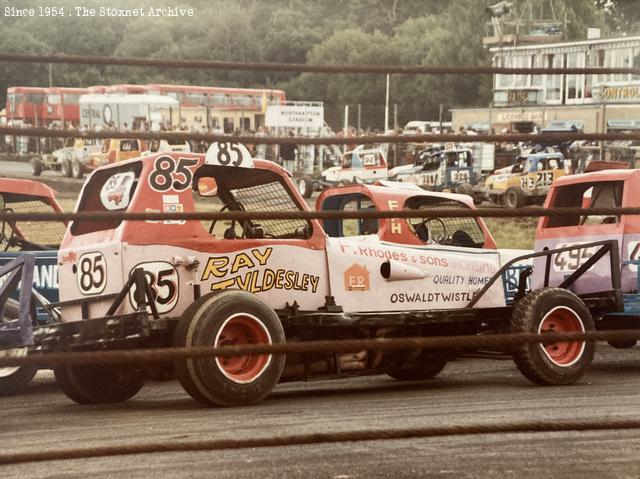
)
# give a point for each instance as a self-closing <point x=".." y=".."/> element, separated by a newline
<point x="185" y="283"/>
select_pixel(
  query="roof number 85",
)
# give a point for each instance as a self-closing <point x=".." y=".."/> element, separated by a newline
<point x="224" y="154"/>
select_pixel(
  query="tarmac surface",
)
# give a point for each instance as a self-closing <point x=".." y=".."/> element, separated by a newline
<point x="468" y="392"/>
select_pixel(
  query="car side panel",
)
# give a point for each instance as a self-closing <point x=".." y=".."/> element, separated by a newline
<point x="434" y="277"/>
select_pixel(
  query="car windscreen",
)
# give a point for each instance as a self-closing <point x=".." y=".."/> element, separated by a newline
<point x="444" y="230"/>
<point x="600" y="194"/>
<point x="44" y="233"/>
<point x="110" y="189"/>
<point x="240" y="189"/>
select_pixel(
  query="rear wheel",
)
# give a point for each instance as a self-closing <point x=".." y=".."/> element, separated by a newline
<point x="305" y="187"/>
<point x="15" y="379"/>
<point x="430" y="365"/>
<point x="65" y="168"/>
<point x="622" y="343"/>
<point x="514" y="197"/>
<point x="77" y="169"/>
<point x="465" y="189"/>
<point x="96" y="384"/>
<point x="36" y="166"/>
<point x="222" y="319"/>
<point x="552" y="310"/>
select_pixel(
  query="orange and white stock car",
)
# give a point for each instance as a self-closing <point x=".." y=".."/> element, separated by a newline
<point x="187" y="283"/>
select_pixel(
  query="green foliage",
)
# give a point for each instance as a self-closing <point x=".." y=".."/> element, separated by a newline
<point x="383" y="32"/>
<point x="622" y="16"/>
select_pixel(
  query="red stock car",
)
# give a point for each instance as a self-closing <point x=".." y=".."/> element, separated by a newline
<point x="186" y="283"/>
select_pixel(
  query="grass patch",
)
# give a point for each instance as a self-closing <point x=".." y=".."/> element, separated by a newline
<point x="518" y="233"/>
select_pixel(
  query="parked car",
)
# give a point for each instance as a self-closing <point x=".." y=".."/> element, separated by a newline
<point x="75" y="149"/>
<point x="362" y="165"/>
<point x="41" y="239"/>
<point x="113" y="151"/>
<point x="450" y="169"/>
<point x="527" y="181"/>
<point x="181" y="283"/>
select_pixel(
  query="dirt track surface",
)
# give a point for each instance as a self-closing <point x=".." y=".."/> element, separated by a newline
<point x="66" y="187"/>
<point x="469" y="391"/>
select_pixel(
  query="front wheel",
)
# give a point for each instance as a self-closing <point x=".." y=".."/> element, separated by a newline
<point x="14" y="379"/>
<point x="96" y="384"/>
<point x="553" y="310"/>
<point x="224" y="319"/>
<point x="36" y="166"/>
<point x="514" y="197"/>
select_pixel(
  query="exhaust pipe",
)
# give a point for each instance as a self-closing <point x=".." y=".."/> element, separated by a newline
<point x="396" y="271"/>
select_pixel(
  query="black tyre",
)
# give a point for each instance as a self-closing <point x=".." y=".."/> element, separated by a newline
<point x="465" y="189"/>
<point x="36" y="166"/>
<point x="15" y="379"/>
<point x="219" y="319"/>
<point x="65" y="168"/>
<point x="429" y="367"/>
<point x="514" y="197"/>
<point x="305" y="186"/>
<point x="97" y="384"/>
<point x="552" y="310"/>
<point x="77" y="169"/>
<point x="622" y="343"/>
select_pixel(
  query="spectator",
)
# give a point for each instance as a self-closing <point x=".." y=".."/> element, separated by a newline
<point x="288" y="153"/>
<point x="261" y="148"/>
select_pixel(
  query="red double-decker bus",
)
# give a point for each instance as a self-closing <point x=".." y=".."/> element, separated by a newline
<point x="127" y="89"/>
<point x="220" y="108"/>
<point x="220" y="97"/>
<point x="63" y="105"/>
<point x="98" y="89"/>
<point x="25" y="105"/>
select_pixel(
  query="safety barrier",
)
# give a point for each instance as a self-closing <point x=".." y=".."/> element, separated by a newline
<point x="550" y="138"/>
<point x="496" y="341"/>
<point x="300" y="67"/>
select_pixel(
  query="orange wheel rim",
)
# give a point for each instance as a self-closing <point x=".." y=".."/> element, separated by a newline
<point x="241" y="330"/>
<point x="562" y="320"/>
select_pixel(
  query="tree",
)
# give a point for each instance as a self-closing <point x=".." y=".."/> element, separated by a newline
<point x="621" y="16"/>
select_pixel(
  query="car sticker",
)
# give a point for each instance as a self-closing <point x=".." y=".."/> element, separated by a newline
<point x="91" y="273"/>
<point x="162" y="278"/>
<point x="116" y="191"/>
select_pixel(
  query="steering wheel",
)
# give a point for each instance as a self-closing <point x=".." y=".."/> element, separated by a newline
<point x="227" y="206"/>
<point x="424" y="228"/>
<point x="7" y="225"/>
